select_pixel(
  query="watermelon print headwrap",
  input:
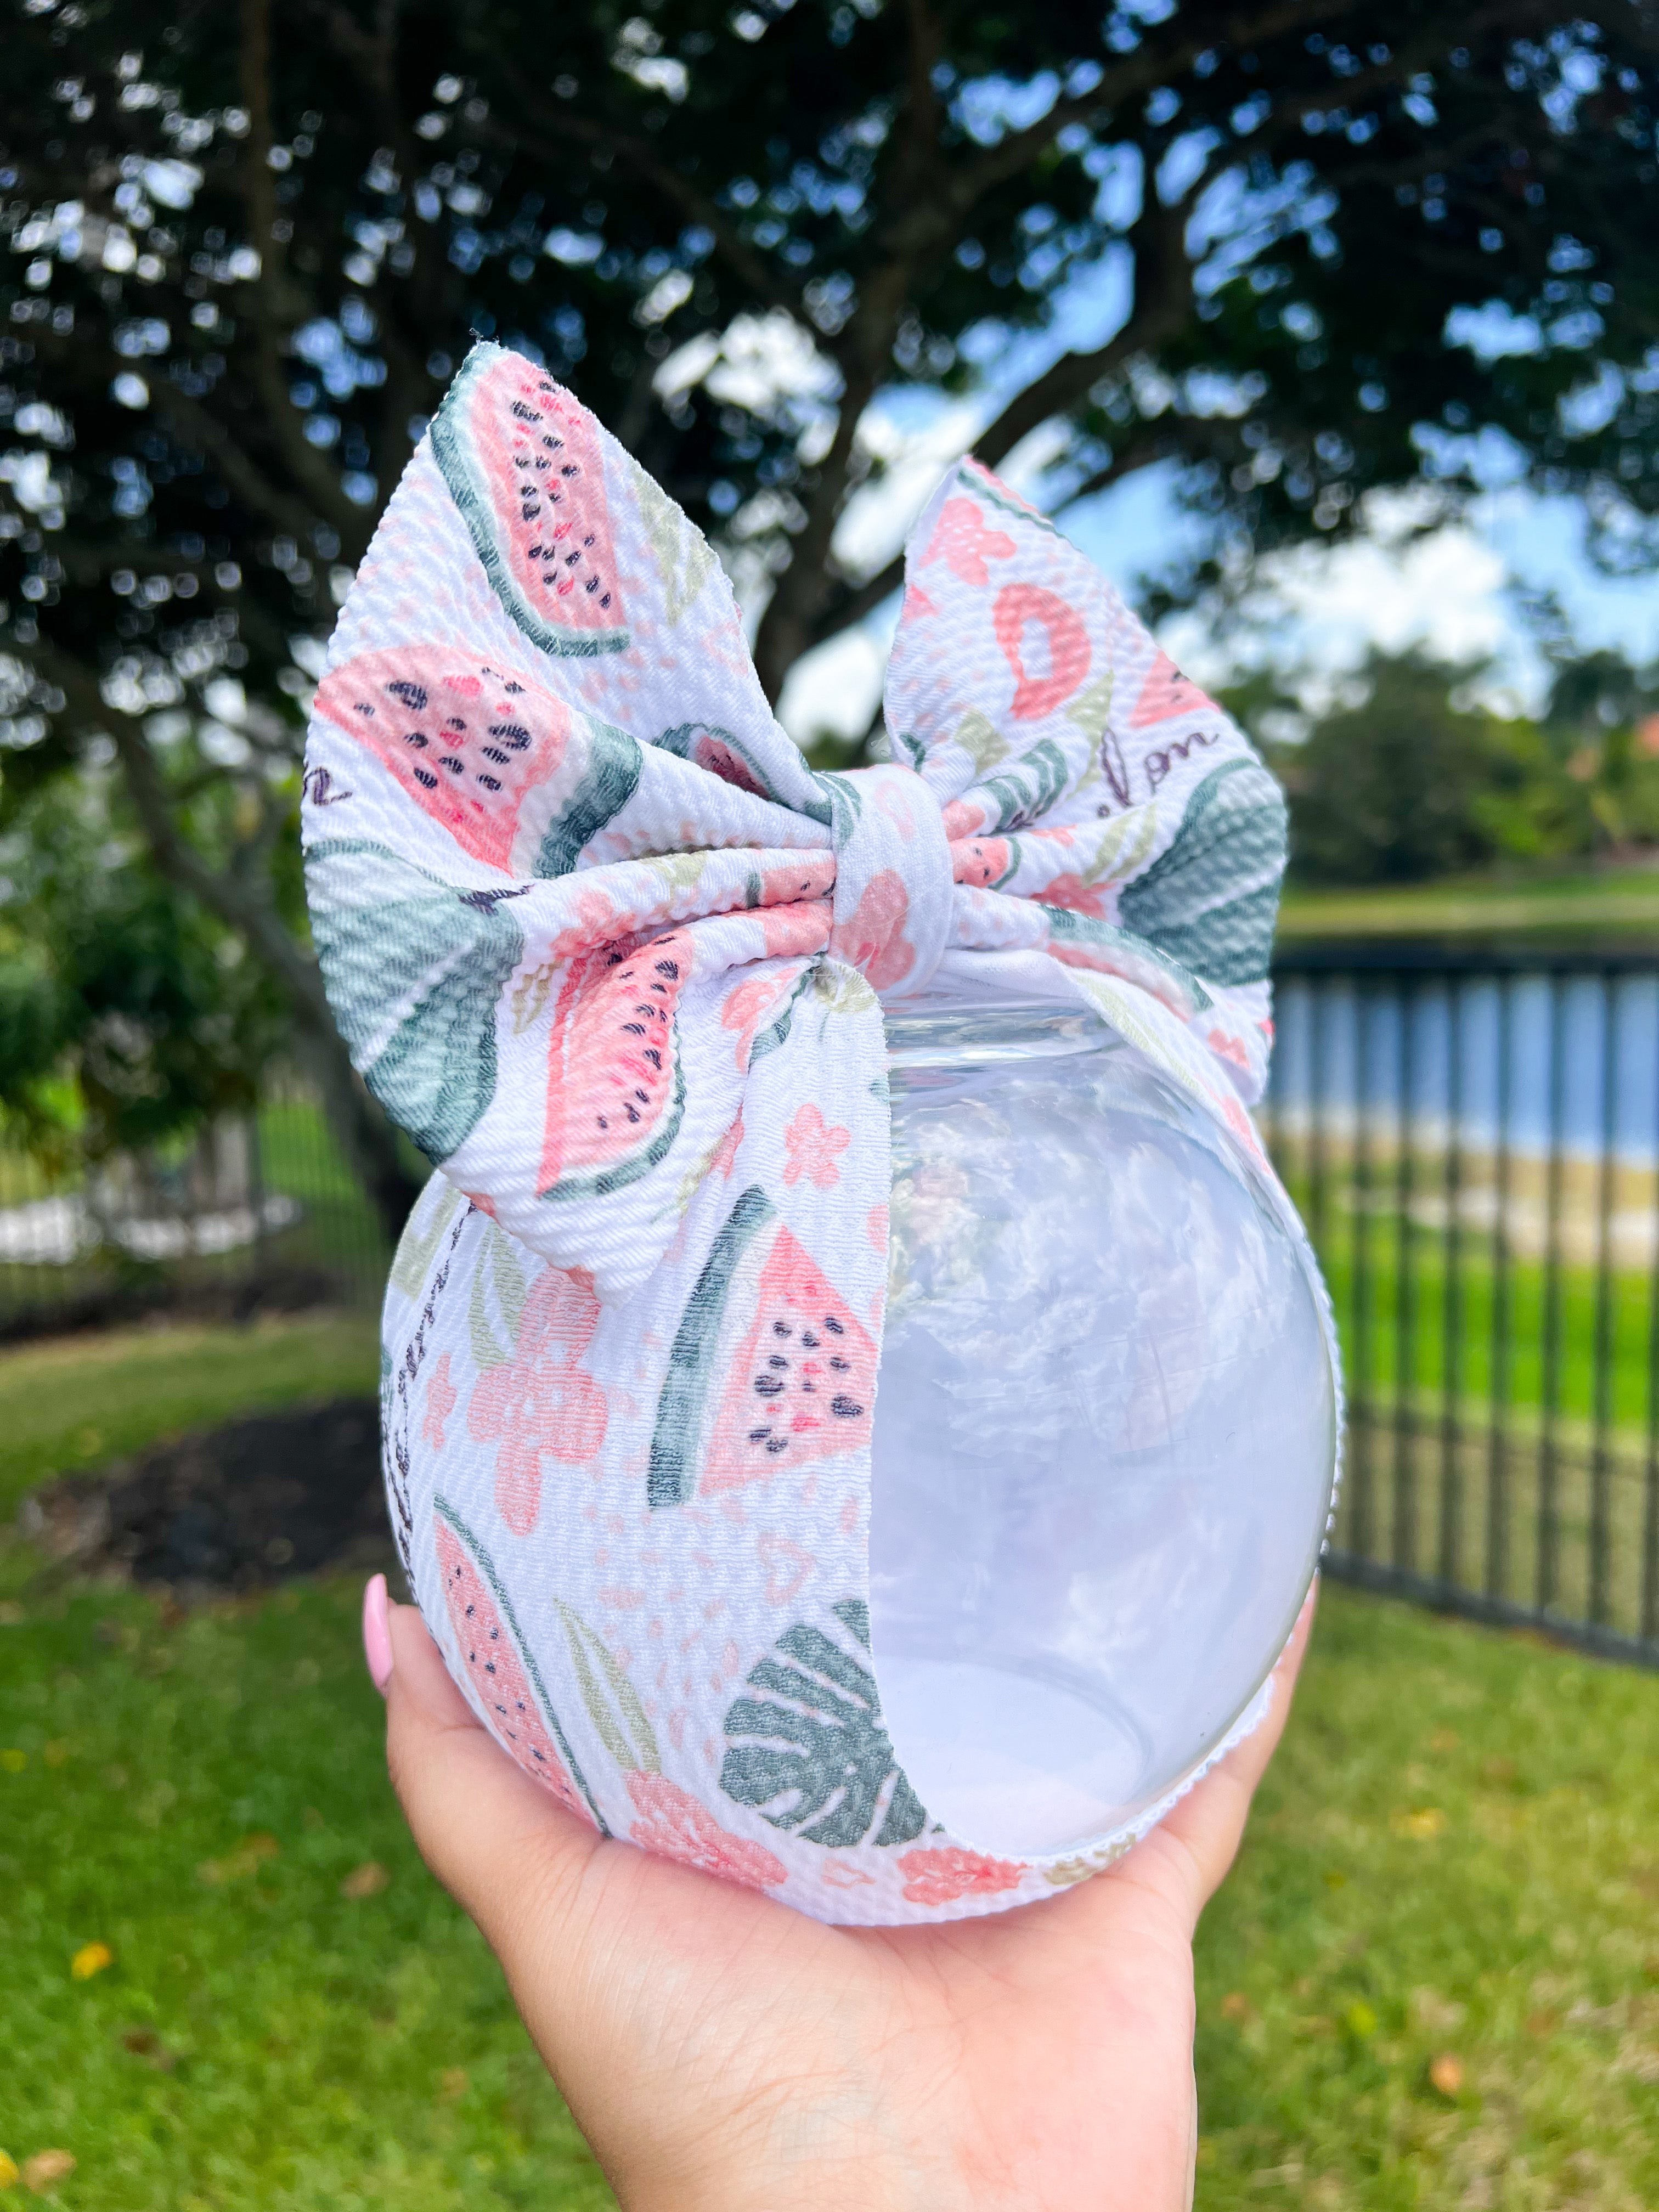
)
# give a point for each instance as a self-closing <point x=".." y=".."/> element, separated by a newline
<point x="614" y="957"/>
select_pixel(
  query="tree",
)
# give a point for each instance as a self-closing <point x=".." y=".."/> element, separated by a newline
<point x="127" y="1015"/>
<point x="249" y="249"/>
<point x="1402" y="784"/>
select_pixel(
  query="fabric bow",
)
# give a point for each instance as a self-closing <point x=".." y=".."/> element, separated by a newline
<point x="575" y="891"/>
<point x="615" y="956"/>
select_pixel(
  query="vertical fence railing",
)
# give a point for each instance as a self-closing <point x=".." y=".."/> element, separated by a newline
<point x="1474" y="1142"/>
<point x="261" y="1210"/>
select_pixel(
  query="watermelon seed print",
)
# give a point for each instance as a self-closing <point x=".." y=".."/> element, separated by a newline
<point x="524" y="467"/>
<point x="501" y="1667"/>
<point x="807" y="1748"/>
<point x="616" y="1087"/>
<point x="794" y="1367"/>
<point x="467" y="742"/>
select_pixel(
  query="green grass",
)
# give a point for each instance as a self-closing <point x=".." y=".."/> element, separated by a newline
<point x="1456" y="1856"/>
<point x="1582" y="904"/>
<point x="75" y="1402"/>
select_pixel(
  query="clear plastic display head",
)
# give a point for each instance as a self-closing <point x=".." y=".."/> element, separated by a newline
<point x="1105" y="1433"/>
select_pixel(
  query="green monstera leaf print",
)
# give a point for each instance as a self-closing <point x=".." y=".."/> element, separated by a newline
<point x="415" y="969"/>
<point x="1210" y="900"/>
<point x="807" y="1748"/>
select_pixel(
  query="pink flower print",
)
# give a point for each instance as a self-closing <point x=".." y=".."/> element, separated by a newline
<point x="1070" y="891"/>
<point x="917" y="605"/>
<point x="896" y="803"/>
<point x="540" y="1403"/>
<point x="723" y="1158"/>
<point x="813" y="1143"/>
<point x="1069" y="651"/>
<point x="873" y="938"/>
<point x="441" y="1401"/>
<point x="675" y="1826"/>
<point x="963" y="540"/>
<point x="981" y="861"/>
<point x="1228" y="1048"/>
<point x="940" y="1877"/>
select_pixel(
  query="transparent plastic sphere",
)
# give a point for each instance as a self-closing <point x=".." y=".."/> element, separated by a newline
<point x="1105" y="1428"/>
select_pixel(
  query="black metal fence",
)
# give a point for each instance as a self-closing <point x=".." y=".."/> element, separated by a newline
<point x="1475" y="1143"/>
<point x="260" y="1211"/>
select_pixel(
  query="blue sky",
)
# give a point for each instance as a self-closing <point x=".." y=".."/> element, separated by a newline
<point x="1457" y="591"/>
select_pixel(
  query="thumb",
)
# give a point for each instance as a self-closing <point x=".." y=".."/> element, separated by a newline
<point x="491" y="1833"/>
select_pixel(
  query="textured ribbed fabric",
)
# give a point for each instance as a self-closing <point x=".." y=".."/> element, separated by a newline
<point x="614" y="957"/>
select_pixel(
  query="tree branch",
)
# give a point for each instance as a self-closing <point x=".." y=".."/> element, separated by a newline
<point x="373" y="58"/>
<point x="192" y="424"/>
<point x="303" y="461"/>
<point x="746" y="264"/>
<point x="1142" y="71"/>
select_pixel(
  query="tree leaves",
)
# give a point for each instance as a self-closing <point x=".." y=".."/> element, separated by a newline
<point x="807" y="1749"/>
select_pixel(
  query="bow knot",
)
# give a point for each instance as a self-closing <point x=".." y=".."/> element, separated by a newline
<point x="894" y="871"/>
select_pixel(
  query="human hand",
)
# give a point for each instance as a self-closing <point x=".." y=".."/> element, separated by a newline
<point x="721" y="2051"/>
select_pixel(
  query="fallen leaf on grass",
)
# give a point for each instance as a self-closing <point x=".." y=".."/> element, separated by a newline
<point x="45" y="2168"/>
<point x="452" y="2083"/>
<point x="1236" y="2006"/>
<point x="144" y="2043"/>
<point x="249" y="1855"/>
<point x="366" y="1881"/>
<point x="1422" y="1825"/>
<point x="1446" y="2072"/>
<point x="91" y="1959"/>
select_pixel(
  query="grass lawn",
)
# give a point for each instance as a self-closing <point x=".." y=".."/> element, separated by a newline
<point x="1586" y="904"/>
<point x="76" y="1401"/>
<point x="1433" y="1980"/>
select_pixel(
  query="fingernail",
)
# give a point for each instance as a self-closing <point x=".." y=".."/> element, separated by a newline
<point x="377" y="1632"/>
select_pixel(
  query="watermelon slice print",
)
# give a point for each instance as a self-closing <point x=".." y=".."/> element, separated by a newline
<point x="499" y="1666"/>
<point x="470" y="745"/>
<point x="616" y="1090"/>
<point x="772" y="1349"/>
<point x="718" y="751"/>
<point x="1165" y="693"/>
<point x="524" y="464"/>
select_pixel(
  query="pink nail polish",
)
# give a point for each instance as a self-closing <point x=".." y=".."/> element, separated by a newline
<point x="377" y="1632"/>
